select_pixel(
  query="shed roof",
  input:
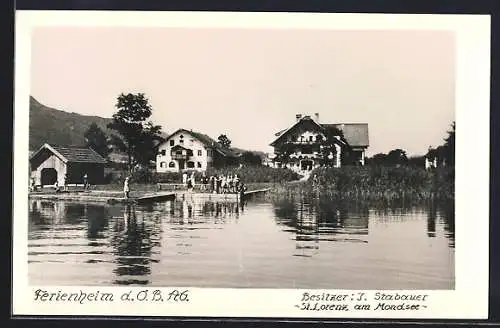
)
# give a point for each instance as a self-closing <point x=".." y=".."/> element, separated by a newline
<point x="74" y="154"/>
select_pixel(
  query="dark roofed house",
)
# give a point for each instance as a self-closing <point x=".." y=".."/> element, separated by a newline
<point x="66" y="165"/>
<point x="190" y="150"/>
<point x="306" y="137"/>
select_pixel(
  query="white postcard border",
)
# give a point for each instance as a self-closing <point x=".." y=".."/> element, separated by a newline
<point x="468" y="300"/>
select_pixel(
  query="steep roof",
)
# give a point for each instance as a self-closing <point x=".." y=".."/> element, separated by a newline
<point x="355" y="134"/>
<point x="281" y="133"/>
<point x="207" y="141"/>
<point x="73" y="154"/>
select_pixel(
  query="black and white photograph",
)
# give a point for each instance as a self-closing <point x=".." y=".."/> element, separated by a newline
<point x="243" y="158"/>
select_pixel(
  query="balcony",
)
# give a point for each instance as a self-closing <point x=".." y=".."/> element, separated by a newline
<point x="180" y="157"/>
<point x="303" y="142"/>
<point x="183" y="154"/>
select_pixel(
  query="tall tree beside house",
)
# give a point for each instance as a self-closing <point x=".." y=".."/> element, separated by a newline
<point x="286" y="150"/>
<point x="96" y="139"/>
<point x="444" y="153"/>
<point x="224" y="141"/>
<point x="328" y="151"/>
<point x="137" y="136"/>
<point x="449" y="146"/>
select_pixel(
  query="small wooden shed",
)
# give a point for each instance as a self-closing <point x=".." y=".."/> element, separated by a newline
<point x="66" y="165"/>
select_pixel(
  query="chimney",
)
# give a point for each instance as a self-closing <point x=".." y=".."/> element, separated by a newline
<point x="316" y="117"/>
<point x="298" y="117"/>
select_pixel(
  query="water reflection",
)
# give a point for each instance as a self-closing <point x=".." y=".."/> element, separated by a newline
<point x="341" y="221"/>
<point x="321" y="220"/>
<point x="448" y="215"/>
<point x="231" y="244"/>
<point x="133" y="244"/>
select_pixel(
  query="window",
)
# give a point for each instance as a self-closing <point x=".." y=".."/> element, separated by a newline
<point x="199" y="153"/>
<point x="171" y="164"/>
<point x="162" y="164"/>
<point x="191" y="142"/>
<point x="172" y="142"/>
<point x="181" y="141"/>
<point x="190" y="165"/>
<point x="199" y="165"/>
<point x="311" y="138"/>
<point x="163" y="152"/>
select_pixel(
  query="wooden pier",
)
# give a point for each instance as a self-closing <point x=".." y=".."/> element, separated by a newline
<point x="256" y="192"/>
<point x="103" y="197"/>
<point x="155" y="197"/>
<point x="113" y="197"/>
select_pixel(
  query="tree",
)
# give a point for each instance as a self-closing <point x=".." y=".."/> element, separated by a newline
<point x="224" y="141"/>
<point x="449" y="146"/>
<point x="327" y="145"/>
<point x="96" y="139"/>
<point x="251" y="158"/>
<point x="397" y="157"/>
<point x="285" y="150"/>
<point x="378" y="159"/>
<point x="138" y="136"/>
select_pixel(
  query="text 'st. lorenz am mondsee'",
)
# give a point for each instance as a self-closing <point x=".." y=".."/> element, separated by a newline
<point x="308" y="301"/>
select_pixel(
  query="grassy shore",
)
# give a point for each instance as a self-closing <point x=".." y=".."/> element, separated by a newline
<point x="375" y="183"/>
<point x="370" y="183"/>
<point x="248" y="174"/>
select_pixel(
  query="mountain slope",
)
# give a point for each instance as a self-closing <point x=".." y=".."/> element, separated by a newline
<point x="53" y="126"/>
<point x="49" y="125"/>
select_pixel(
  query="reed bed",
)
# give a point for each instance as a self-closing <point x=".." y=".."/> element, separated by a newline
<point x="381" y="184"/>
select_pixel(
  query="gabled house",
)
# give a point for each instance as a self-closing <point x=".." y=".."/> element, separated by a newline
<point x="66" y="165"/>
<point x="190" y="150"/>
<point x="308" y="144"/>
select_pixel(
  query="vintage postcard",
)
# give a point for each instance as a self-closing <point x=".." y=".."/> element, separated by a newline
<point x="265" y="165"/>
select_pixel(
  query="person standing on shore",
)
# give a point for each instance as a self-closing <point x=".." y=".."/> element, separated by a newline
<point x="64" y="182"/>
<point x="32" y="186"/>
<point x="204" y="182"/>
<point x="126" y="188"/>
<point x="236" y="182"/>
<point x="85" y="182"/>
<point x="218" y="184"/>
<point x="190" y="184"/>
<point x="315" y="180"/>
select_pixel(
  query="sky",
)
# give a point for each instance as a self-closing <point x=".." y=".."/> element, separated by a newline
<point x="250" y="83"/>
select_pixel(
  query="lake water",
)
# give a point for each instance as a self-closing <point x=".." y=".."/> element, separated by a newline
<point x="261" y="244"/>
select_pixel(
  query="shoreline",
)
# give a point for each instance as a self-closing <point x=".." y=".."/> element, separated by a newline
<point x="113" y="197"/>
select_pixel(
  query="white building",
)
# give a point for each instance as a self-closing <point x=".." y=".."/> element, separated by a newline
<point x="189" y="150"/>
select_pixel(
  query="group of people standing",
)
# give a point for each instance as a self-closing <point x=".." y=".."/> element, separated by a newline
<point x="222" y="184"/>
